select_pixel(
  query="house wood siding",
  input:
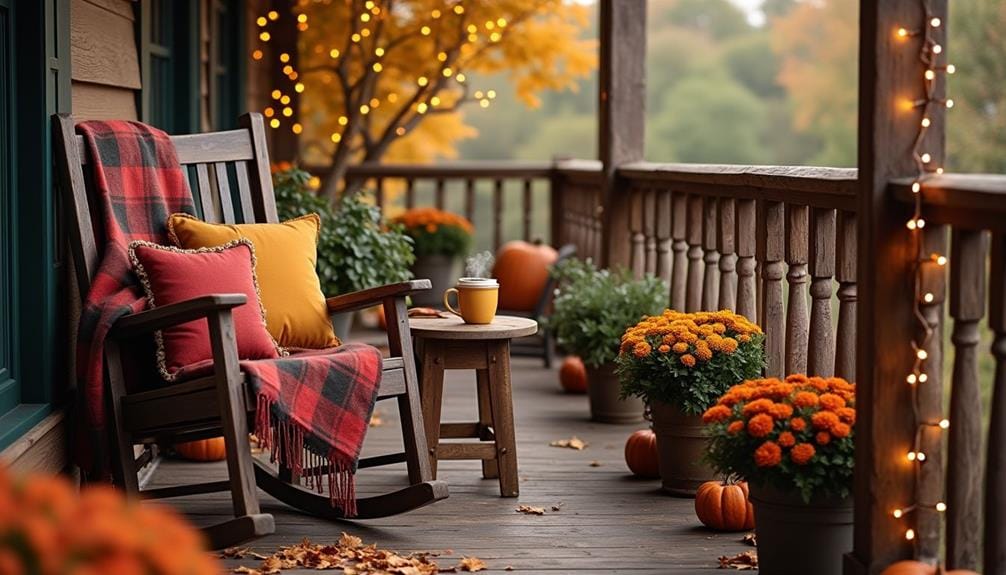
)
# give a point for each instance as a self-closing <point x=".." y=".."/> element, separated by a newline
<point x="106" y="67"/>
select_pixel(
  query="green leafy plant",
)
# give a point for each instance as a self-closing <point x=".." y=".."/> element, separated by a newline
<point x="689" y="359"/>
<point x="792" y="433"/>
<point x="436" y="232"/>
<point x="593" y="307"/>
<point x="356" y="249"/>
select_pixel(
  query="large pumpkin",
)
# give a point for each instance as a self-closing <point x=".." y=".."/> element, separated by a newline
<point x="724" y="506"/>
<point x="203" y="450"/>
<point x="522" y="270"/>
<point x="641" y="454"/>
<point x="573" y="375"/>
<point x="920" y="568"/>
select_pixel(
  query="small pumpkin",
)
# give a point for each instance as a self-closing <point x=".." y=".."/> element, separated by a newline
<point x="920" y="568"/>
<point x="641" y="454"/>
<point x="573" y="375"/>
<point x="522" y="269"/>
<point x="724" y="506"/>
<point x="203" y="449"/>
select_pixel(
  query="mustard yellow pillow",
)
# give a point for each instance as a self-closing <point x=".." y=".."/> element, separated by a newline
<point x="286" y="253"/>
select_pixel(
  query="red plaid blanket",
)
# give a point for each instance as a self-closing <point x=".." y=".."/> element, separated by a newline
<point x="313" y="407"/>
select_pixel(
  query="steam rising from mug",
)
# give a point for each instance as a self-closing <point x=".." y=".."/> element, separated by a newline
<point x="479" y="265"/>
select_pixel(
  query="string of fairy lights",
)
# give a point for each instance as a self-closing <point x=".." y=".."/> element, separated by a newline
<point x="930" y="54"/>
<point x="427" y="84"/>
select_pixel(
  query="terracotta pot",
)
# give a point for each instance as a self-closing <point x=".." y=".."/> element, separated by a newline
<point x="605" y="406"/>
<point x="681" y="443"/>
<point x="797" y="538"/>
<point x="442" y="271"/>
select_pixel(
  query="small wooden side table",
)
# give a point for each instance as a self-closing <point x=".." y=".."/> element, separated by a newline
<point x="449" y="343"/>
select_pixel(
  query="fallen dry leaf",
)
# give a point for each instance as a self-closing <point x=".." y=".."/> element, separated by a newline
<point x="246" y="571"/>
<point x="472" y="564"/>
<point x="349" y="554"/>
<point x="571" y="443"/>
<point x="528" y="510"/>
<point x="750" y="539"/>
<point x="234" y="552"/>
<point x="595" y="463"/>
<point x="746" y="561"/>
<point x="350" y="541"/>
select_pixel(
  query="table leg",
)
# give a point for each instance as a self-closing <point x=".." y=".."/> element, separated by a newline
<point x="432" y="383"/>
<point x="503" y="423"/>
<point x="490" y="469"/>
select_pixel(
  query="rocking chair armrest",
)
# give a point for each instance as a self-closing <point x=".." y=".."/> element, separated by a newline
<point x="373" y="296"/>
<point x="175" y="314"/>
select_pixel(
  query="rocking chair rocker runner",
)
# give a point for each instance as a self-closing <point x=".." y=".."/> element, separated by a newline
<point x="221" y="403"/>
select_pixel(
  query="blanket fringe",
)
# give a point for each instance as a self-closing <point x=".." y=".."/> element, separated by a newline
<point x="285" y="441"/>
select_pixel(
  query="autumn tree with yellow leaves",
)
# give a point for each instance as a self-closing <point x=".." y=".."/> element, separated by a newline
<point x="380" y="79"/>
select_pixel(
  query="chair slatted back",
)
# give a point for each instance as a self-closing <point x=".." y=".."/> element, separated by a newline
<point x="228" y="177"/>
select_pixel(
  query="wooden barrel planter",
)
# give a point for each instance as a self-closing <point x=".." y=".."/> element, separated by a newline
<point x="603" y="389"/>
<point x="681" y="444"/>
<point x="797" y="538"/>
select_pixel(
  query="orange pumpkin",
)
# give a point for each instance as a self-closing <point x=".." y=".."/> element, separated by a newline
<point x="641" y="454"/>
<point x="920" y="568"/>
<point x="203" y="450"/>
<point x="573" y="375"/>
<point x="522" y="270"/>
<point x="724" y="506"/>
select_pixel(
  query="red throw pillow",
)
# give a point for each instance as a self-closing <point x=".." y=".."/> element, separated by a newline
<point x="170" y="275"/>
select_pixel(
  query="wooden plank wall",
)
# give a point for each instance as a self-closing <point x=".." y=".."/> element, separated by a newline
<point x="105" y="65"/>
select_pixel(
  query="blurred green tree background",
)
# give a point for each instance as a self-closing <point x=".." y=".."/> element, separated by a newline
<point x="735" y="82"/>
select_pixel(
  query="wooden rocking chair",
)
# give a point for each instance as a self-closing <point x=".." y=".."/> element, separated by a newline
<point x="221" y="403"/>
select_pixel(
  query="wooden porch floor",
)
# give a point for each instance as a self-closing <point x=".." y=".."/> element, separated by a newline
<point x="608" y="521"/>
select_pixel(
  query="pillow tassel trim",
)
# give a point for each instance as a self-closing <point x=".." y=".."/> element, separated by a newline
<point x="141" y="273"/>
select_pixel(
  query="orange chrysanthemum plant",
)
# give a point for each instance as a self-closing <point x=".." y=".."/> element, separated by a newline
<point x="436" y="232"/>
<point x="689" y="359"/>
<point x="795" y="433"/>
<point x="47" y="528"/>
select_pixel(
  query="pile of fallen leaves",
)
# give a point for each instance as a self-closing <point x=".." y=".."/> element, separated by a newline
<point x="746" y="561"/>
<point x="571" y="443"/>
<point x="351" y="556"/>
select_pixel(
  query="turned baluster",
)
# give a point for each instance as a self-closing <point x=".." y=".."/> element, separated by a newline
<point x="636" y="236"/>
<point x="649" y="230"/>
<point x="693" y="293"/>
<point x="771" y="249"/>
<point x="725" y="243"/>
<point x="821" y="345"/>
<point x="746" y="241"/>
<point x="497" y="214"/>
<point x="440" y="195"/>
<point x="845" y="273"/>
<point x="410" y="193"/>
<point x="995" y="474"/>
<point x="527" y="210"/>
<point x="379" y="192"/>
<point x="663" y="233"/>
<point x="796" y="312"/>
<point x="711" y="257"/>
<point x="679" y="231"/>
<point x="470" y="199"/>
<point x="967" y="305"/>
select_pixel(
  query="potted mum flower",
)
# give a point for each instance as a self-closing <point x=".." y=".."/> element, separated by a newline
<point x="441" y="240"/>
<point x="680" y="363"/>
<point x="792" y="441"/>
<point x="590" y="312"/>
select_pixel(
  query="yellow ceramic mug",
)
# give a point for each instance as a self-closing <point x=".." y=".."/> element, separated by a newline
<point x="477" y="298"/>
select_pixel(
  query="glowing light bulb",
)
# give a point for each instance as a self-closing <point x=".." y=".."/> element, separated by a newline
<point x="478" y="94"/>
<point x="288" y="69"/>
<point x="937" y="49"/>
<point x="902" y="33"/>
<point x="365" y="32"/>
<point x="926" y="158"/>
<point x="939" y="170"/>
<point x="435" y="101"/>
<point x="910" y="534"/>
<point x="495" y="37"/>
<point x="257" y="55"/>
<point x="460" y="77"/>
<point x="422" y="107"/>
<point x="400" y="131"/>
<point x="269" y="112"/>
<point x="343" y="120"/>
<point x="501" y="22"/>
<point x="364" y="17"/>
<point x="298" y="87"/>
<point x="379" y="52"/>
<point x="442" y="56"/>
<point x="944" y="424"/>
<point x="920" y="222"/>
<point x="941" y="507"/>
<point x="364" y="109"/>
<point x="378" y="67"/>
<point x="897" y="513"/>
<point x="284" y="100"/>
<point x="448" y="72"/>
<point x="374" y="102"/>
<point x="923" y="378"/>
<point x="928" y="298"/>
<point x="920" y="456"/>
<point x="941" y="260"/>
<point x="935" y="22"/>
<point x="926" y="122"/>
<point x="930" y="74"/>
<point x="422" y="81"/>
<point x="910" y="456"/>
<point x="264" y="36"/>
<point x="336" y="137"/>
<point x="355" y="38"/>
<point x="949" y="103"/>
<point x="484" y="103"/>
<point x="951" y="68"/>
<point x="491" y="94"/>
<point x="392" y="97"/>
<point x="911" y="224"/>
<point x="302" y="18"/>
<point x="288" y="111"/>
<point x="916" y="187"/>
<point x="296" y="128"/>
<point x="273" y="15"/>
<point x="274" y="123"/>
<point x="435" y="14"/>
<point x="921" y="354"/>
<point x="459" y="9"/>
<point x="333" y="53"/>
<point x="472" y="28"/>
<point x="911" y="379"/>
<point x="276" y="94"/>
<point x="284" y="57"/>
<point x="261" y="21"/>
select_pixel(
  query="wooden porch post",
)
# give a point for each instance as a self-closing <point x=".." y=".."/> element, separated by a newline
<point x="621" y="115"/>
<point x="890" y="78"/>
